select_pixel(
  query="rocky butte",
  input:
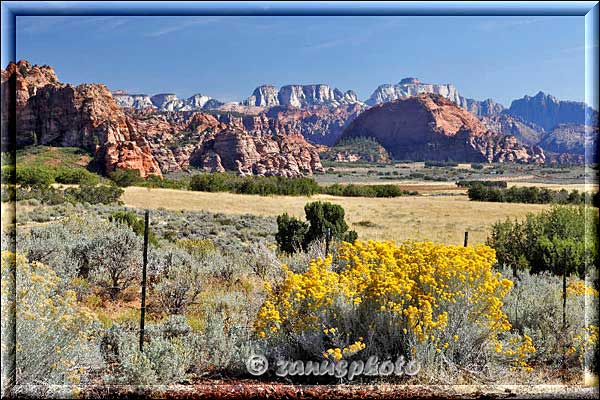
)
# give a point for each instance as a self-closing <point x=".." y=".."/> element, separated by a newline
<point x="431" y="127"/>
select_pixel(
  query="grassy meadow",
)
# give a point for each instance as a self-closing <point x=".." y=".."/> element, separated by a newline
<point x="438" y="218"/>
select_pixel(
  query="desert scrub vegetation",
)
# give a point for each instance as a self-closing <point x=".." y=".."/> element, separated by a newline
<point x="56" y="336"/>
<point x="457" y="311"/>
<point x="230" y="233"/>
<point x="553" y="259"/>
<point x="470" y="183"/>
<point x="201" y="300"/>
<point x="277" y="185"/>
<point x="535" y="308"/>
<point x="46" y="175"/>
<point x="219" y="290"/>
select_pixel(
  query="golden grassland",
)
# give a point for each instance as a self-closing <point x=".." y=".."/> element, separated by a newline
<point x="438" y="218"/>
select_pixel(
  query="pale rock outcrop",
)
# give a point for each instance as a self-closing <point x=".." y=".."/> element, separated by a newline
<point x="300" y="96"/>
<point x="412" y="87"/>
<point x="263" y="96"/>
<point x="139" y="101"/>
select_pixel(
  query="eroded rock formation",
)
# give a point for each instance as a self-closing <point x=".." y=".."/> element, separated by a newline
<point x="51" y="113"/>
<point x="431" y="127"/>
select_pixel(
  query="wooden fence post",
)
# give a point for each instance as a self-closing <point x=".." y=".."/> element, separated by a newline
<point x="466" y="238"/>
<point x="145" y="263"/>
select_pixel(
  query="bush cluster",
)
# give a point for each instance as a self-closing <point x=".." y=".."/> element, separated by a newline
<point x="262" y="185"/>
<point x="441" y="305"/>
<point x="351" y="190"/>
<point x="322" y="218"/>
<point x="136" y="224"/>
<point x="559" y="240"/>
<point x="468" y="184"/>
<point x="429" y="164"/>
<point x="100" y="194"/>
<point x="277" y="185"/>
<point x="45" y="176"/>
<point x="532" y="195"/>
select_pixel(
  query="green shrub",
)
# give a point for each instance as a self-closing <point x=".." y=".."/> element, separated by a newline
<point x="100" y="194"/>
<point x="125" y="177"/>
<point x="154" y="181"/>
<point x="136" y="224"/>
<point x="562" y="238"/>
<point x="75" y="176"/>
<point x="351" y="190"/>
<point x="8" y="174"/>
<point x="429" y="164"/>
<point x="479" y="191"/>
<point x="261" y="185"/>
<point x="468" y="184"/>
<point x="290" y="233"/>
<point x="35" y="176"/>
<point x="196" y="247"/>
<point x="217" y="182"/>
<point x="322" y="217"/>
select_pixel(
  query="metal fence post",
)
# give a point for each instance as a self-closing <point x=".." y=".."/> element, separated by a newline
<point x="466" y="238"/>
<point x="327" y="240"/>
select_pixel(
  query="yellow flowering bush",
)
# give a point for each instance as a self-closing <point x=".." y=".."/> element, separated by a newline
<point x="386" y="299"/>
<point x="54" y="335"/>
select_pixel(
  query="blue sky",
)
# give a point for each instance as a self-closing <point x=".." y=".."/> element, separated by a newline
<point x="227" y="57"/>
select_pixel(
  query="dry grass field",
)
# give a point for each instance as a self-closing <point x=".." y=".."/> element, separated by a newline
<point x="438" y="218"/>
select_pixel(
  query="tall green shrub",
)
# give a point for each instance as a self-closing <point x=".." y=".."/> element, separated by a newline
<point x="321" y="217"/>
<point x="290" y="233"/>
<point x="563" y="238"/>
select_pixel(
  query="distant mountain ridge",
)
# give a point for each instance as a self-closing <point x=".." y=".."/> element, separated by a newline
<point x="548" y="112"/>
<point x="321" y="113"/>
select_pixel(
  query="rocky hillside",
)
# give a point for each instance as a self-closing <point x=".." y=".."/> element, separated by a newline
<point x="412" y="87"/>
<point x="356" y="150"/>
<point x="525" y="132"/>
<point x="216" y="143"/>
<point x="88" y="116"/>
<point x="431" y="127"/>
<point x="300" y="96"/>
<point x="572" y="143"/>
<point x="162" y="133"/>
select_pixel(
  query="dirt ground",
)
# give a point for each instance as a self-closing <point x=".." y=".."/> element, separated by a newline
<point x="255" y="390"/>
